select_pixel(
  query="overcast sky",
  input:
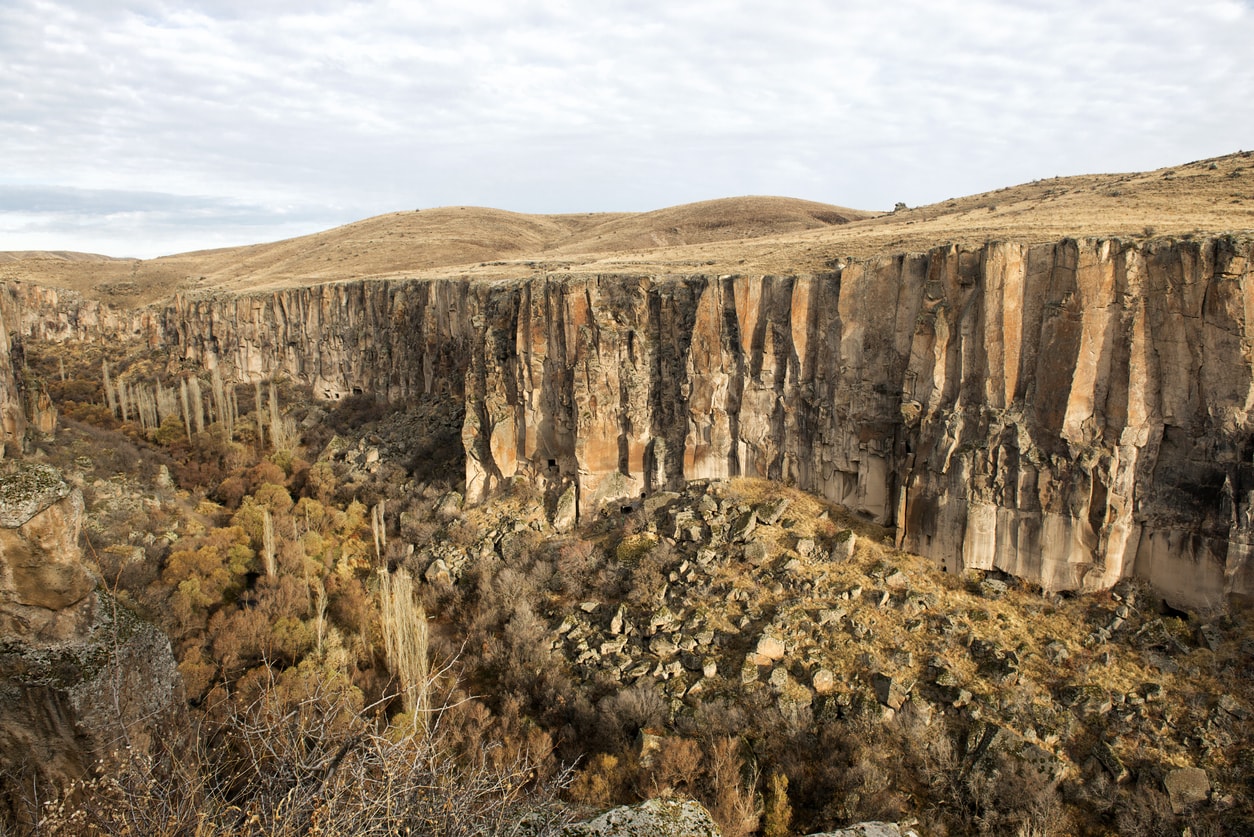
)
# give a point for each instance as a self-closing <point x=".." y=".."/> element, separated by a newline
<point x="144" y="127"/>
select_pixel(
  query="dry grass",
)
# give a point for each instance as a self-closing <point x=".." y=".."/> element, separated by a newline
<point x="749" y="235"/>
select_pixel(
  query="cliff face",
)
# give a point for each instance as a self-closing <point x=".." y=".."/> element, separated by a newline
<point x="1071" y="413"/>
<point x="80" y="677"/>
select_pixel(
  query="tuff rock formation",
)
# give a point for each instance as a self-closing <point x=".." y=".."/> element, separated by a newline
<point x="1071" y="413"/>
<point x="80" y="676"/>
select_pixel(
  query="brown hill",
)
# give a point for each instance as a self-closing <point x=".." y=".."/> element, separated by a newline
<point x="733" y="235"/>
<point x="728" y="219"/>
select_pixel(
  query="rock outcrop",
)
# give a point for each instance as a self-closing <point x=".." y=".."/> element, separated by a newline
<point x="654" y="818"/>
<point x="80" y="676"/>
<point x="12" y="416"/>
<point x="1070" y="413"/>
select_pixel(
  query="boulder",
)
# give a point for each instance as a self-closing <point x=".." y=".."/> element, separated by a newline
<point x="890" y="691"/>
<point x="1186" y="786"/>
<point x="770" y="513"/>
<point x="843" y="546"/>
<point x="770" y="648"/>
<point x="654" y="818"/>
<point x="869" y="829"/>
<point x="45" y="586"/>
<point x="743" y="527"/>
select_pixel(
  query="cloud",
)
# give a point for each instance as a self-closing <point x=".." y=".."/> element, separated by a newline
<point x="346" y="110"/>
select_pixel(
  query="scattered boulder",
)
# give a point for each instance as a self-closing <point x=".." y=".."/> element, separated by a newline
<point x="843" y="546"/>
<point x="770" y="648"/>
<point x="823" y="681"/>
<point x="770" y="513"/>
<point x="890" y="691"/>
<point x="743" y="527"/>
<point x="1107" y="758"/>
<point x="438" y="573"/>
<point x="870" y="829"/>
<point x="756" y="553"/>
<point x="654" y="818"/>
<point x="448" y="506"/>
<point x="1186" y="787"/>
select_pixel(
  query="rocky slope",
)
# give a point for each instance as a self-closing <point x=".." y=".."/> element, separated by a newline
<point x="1072" y="413"/>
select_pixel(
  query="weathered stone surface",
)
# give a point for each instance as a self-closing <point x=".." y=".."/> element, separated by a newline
<point x="79" y="674"/>
<point x="869" y="829"/>
<point x="66" y="707"/>
<point x="44" y="584"/>
<point x="654" y="818"/>
<point x="438" y="573"/>
<point x="1186" y="787"/>
<point x="1070" y="413"/>
<point x="770" y="648"/>
<point x="890" y="691"/>
<point x="565" y="515"/>
<point x="842" y="549"/>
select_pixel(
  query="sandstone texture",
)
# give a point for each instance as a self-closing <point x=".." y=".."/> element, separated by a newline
<point x="45" y="588"/>
<point x="80" y="677"/>
<point x="1071" y="413"/>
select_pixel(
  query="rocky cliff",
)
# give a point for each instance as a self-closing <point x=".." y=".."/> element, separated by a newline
<point x="80" y="677"/>
<point x="1071" y="413"/>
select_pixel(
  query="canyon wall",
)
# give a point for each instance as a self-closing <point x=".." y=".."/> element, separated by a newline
<point x="1070" y="413"/>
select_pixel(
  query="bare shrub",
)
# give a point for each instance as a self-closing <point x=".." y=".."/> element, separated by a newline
<point x="314" y="764"/>
<point x="733" y="798"/>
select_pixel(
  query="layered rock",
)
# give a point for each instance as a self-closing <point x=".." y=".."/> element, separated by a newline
<point x="1071" y="413"/>
<point x="81" y="677"/>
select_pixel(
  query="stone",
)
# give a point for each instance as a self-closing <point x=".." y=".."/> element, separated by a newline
<point x="770" y="513"/>
<point x="831" y="615"/>
<point x="993" y="588"/>
<point x="743" y="527"/>
<point x="897" y="580"/>
<point x="805" y="547"/>
<point x="656" y="817"/>
<point x="890" y="691"/>
<point x="756" y="553"/>
<point x="449" y="506"/>
<point x="79" y="672"/>
<point x="659" y="380"/>
<point x="1230" y="705"/>
<point x="843" y="547"/>
<point x="869" y="829"/>
<point x="438" y="573"/>
<point x="823" y="681"/>
<point x="770" y="648"/>
<point x="618" y="620"/>
<point x="1186" y="787"/>
<point x="44" y="583"/>
<point x="1210" y="637"/>
<point x="778" y="678"/>
<point x="663" y="646"/>
<point x="1107" y="758"/>
<point x="565" y="513"/>
<point x="658" y="500"/>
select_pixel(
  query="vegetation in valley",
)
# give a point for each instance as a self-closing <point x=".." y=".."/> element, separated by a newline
<point x="361" y="653"/>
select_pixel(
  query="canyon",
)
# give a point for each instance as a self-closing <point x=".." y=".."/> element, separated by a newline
<point x="1072" y="412"/>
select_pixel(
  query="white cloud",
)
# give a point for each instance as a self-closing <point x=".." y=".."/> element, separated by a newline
<point x="347" y="110"/>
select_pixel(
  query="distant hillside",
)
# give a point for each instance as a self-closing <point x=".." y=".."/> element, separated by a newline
<point x="731" y="235"/>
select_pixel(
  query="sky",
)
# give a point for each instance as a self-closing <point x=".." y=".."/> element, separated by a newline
<point x="146" y="127"/>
